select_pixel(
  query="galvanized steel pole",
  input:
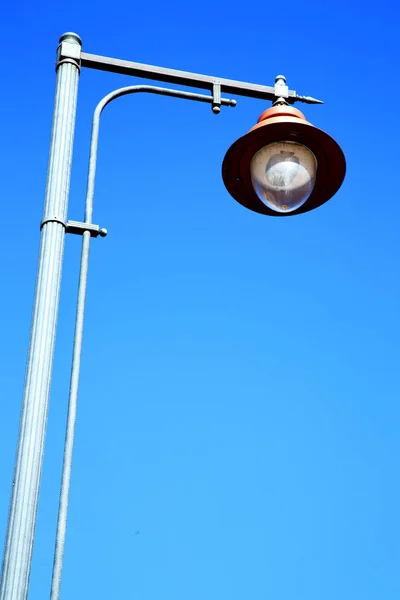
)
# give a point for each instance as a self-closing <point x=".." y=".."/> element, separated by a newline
<point x="28" y="465"/>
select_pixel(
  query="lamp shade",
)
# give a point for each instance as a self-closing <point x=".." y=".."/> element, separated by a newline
<point x="284" y="165"/>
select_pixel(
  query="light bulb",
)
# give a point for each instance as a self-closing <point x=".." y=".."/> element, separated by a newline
<point x="283" y="175"/>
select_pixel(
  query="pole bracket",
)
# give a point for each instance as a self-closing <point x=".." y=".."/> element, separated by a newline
<point x="78" y="228"/>
<point x="216" y="102"/>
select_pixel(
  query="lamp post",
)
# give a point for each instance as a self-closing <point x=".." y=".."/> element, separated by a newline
<point x="283" y="166"/>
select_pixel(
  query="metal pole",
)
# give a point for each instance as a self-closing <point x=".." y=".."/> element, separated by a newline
<point x="28" y="465"/>
<point x="80" y="311"/>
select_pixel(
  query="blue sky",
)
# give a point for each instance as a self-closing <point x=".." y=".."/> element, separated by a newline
<point x="238" y="421"/>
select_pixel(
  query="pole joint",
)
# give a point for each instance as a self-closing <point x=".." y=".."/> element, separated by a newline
<point x="77" y="227"/>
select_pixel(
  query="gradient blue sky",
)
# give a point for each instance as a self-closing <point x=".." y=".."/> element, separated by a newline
<point x="238" y="427"/>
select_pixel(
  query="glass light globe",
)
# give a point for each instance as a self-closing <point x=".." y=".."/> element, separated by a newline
<point x="283" y="175"/>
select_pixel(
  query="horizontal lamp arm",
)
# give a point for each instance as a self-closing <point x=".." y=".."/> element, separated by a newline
<point x="239" y="88"/>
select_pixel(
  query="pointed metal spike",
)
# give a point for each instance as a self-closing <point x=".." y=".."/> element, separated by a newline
<point x="308" y="100"/>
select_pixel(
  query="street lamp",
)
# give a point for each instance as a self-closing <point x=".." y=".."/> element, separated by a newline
<point x="284" y="165"/>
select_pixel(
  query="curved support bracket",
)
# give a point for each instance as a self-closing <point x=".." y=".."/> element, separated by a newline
<point x="215" y="100"/>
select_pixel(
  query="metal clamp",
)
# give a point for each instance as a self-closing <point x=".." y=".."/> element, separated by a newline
<point x="79" y="228"/>
<point x="281" y="91"/>
<point x="216" y="103"/>
<point x="53" y="220"/>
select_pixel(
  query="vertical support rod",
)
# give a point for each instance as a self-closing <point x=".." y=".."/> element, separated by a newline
<point x="76" y="364"/>
<point x="70" y="432"/>
<point x="28" y="465"/>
